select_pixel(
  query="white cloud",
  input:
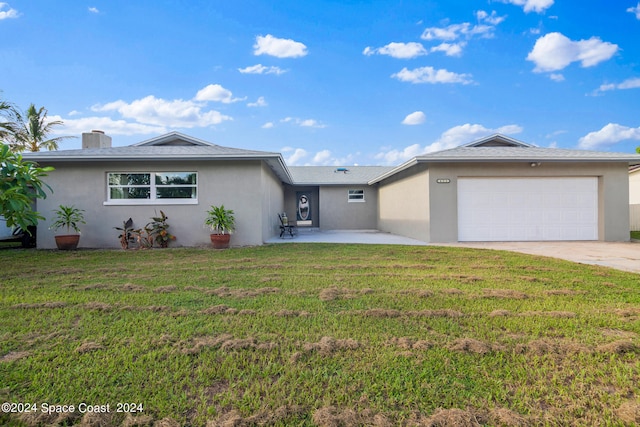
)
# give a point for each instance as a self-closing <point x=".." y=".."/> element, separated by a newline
<point x="310" y="123"/>
<point x="635" y="10"/>
<point x="555" y="51"/>
<point x="262" y="69"/>
<point x="216" y="93"/>
<point x="94" y="10"/>
<point x="415" y="118"/>
<point x="449" y="139"/>
<point x="297" y="156"/>
<point x="492" y="19"/>
<point x="485" y="28"/>
<point x="322" y="157"/>
<point x="556" y="77"/>
<point x="431" y="75"/>
<point x="538" y="6"/>
<point x="6" y="12"/>
<point x="108" y="125"/>
<point x="398" y="50"/>
<point x="280" y="48"/>
<point x="268" y="125"/>
<point x="450" y="49"/>
<point x="633" y="83"/>
<point x="259" y="103"/>
<point x="608" y="135"/>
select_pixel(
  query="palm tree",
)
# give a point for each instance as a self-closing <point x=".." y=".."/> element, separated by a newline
<point x="32" y="130"/>
<point x="6" y="122"/>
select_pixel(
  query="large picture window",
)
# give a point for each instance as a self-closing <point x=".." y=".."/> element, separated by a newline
<point x="152" y="187"/>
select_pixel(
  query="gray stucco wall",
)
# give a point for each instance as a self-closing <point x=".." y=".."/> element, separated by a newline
<point x="272" y="203"/>
<point x="337" y="213"/>
<point x="238" y="185"/>
<point x="613" y="192"/>
<point x="404" y="204"/>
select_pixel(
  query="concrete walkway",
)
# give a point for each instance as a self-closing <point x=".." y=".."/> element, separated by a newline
<point x="619" y="255"/>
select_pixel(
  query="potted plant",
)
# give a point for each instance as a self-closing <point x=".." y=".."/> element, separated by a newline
<point x="68" y="217"/>
<point x="222" y="223"/>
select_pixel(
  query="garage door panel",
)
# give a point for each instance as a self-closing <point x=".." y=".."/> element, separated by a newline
<point x="513" y="209"/>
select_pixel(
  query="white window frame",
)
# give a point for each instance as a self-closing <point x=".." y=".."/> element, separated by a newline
<point x="356" y="195"/>
<point x="153" y="199"/>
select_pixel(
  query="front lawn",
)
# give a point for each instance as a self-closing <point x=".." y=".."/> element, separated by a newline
<point x="316" y="334"/>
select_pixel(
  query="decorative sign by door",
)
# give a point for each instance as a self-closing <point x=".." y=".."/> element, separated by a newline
<point x="304" y="208"/>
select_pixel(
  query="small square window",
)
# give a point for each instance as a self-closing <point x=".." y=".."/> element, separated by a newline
<point x="356" y="196"/>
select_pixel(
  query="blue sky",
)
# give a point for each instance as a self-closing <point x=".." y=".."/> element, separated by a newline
<point x="331" y="82"/>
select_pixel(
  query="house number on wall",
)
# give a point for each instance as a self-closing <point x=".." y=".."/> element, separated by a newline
<point x="443" y="180"/>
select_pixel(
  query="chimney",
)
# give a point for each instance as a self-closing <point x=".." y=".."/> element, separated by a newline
<point x="96" y="139"/>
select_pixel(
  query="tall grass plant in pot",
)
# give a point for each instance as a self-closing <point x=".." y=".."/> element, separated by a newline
<point x="222" y="223"/>
<point x="68" y="218"/>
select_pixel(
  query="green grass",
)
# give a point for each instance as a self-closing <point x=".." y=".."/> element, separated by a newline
<point x="319" y="335"/>
<point x="635" y="235"/>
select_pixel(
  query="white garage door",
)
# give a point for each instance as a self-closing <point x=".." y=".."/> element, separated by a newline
<point x="519" y="209"/>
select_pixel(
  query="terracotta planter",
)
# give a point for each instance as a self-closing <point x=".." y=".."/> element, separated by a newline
<point x="67" y="242"/>
<point x="220" y="241"/>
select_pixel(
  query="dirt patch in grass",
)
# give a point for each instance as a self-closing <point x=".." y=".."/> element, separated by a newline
<point x="618" y="333"/>
<point x="455" y="417"/>
<point x="330" y="416"/>
<point x="630" y="313"/>
<point x="38" y="418"/>
<point x="14" y="355"/>
<point x="223" y="309"/>
<point x="619" y="347"/>
<point x="629" y="412"/>
<point x="224" y="292"/>
<point x="556" y="314"/>
<point x="507" y="418"/>
<point x="329" y="345"/>
<point x="95" y="419"/>
<point x="407" y="343"/>
<point x="469" y="345"/>
<point x="292" y="313"/>
<point x="130" y="287"/>
<point x="334" y="293"/>
<point x="392" y="313"/>
<point x="165" y="289"/>
<point x="53" y="304"/>
<point x="138" y="421"/>
<point x="234" y="418"/>
<point x="500" y="313"/>
<point x="88" y="347"/>
<point x="225" y="342"/>
<point x="99" y="306"/>
<point x="504" y="293"/>
<point x="563" y="292"/>
<point x="451" y="291"/>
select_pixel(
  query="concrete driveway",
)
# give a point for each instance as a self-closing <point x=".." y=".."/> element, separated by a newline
<point x="619" y="255"/>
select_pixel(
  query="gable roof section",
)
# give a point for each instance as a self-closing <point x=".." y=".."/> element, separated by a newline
<point x="499" y="148"/>
<point x="332" y="175"/>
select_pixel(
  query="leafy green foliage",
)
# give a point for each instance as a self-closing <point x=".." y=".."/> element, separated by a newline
<point x="220" y="220"/>
<point x="68" y="217"/>
<point x="20" y="183"/>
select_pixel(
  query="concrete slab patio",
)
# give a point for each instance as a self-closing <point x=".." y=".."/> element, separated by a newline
<point x="619" y="255"/>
